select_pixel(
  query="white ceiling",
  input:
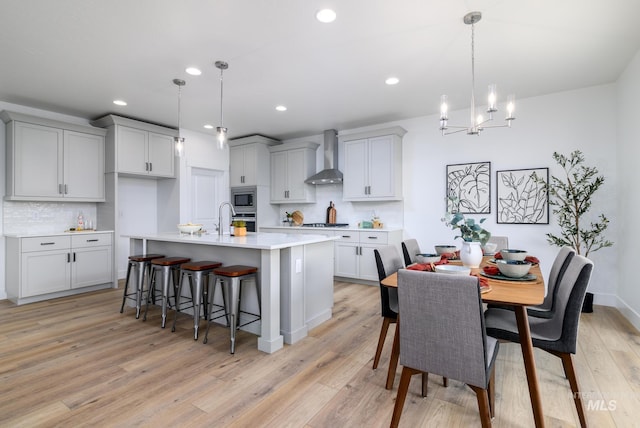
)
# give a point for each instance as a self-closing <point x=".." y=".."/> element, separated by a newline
<point x="77" y="56"/>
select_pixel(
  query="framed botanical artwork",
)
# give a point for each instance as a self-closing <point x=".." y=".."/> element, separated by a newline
<point x="469" y="188"/>
<point x="522" y="196"/>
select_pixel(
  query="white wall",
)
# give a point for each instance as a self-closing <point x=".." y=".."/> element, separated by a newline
<point x="563" y="122"/>
<point x="584" y="119"/>
<point x="628" y="204"/>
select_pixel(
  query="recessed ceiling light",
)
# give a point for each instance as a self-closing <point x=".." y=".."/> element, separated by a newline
<point x="120" y="102"/>
<point x="193" y="71"/>
<point x="326" y="16"/>
<point x="207" y="126"/>
<point x="392" y="81"/>
<point x="281" y="108"/>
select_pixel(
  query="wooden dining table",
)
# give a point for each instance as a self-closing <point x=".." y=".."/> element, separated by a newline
<point x="517" y="294"/>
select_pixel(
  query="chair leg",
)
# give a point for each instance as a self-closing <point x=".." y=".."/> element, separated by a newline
<point x="445" y="381"/>
<point x="425" y="383"/>
<point x="403" y="388"/>
<point x="491" y="389"/>
<point x="483" y="406"/>
<point x="393" y="361"/>
<point x="569" y="370"/>
<point x="383" y="335"/>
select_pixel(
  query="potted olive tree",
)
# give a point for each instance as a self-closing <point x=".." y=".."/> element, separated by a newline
<point x="570" y="197"/>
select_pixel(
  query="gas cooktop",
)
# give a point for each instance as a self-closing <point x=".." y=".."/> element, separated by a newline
<point x="325" y="225"/>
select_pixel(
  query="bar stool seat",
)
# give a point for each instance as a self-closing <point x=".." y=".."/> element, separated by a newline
<point x="140" y="263"/>
<point x="169" y="268"/>
<point x="197" y="272"/>
<point x="231" y="279"/>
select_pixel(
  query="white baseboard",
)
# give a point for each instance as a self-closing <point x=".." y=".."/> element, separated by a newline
<point x="629" y="313"/>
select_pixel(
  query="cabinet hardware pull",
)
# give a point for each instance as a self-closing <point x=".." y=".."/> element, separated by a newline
<point x="346" y="236"/>
<point x="47" y="243"/>
<point x="372" y="237"/>
<point x="60" y="188"/>
<point x="146" y="166"/>
<point x="66" y="189"/>
<point x="92" y="240"/>
<point x="74" y="257"/>
<point x="150" y="166"/>
<point x="68" y="258"/>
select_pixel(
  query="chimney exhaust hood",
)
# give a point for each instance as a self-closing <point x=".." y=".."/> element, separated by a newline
<point x="330" y="173"/>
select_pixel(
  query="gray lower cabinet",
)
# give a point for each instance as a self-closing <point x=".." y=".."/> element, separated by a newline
<point x="48" y="266"/>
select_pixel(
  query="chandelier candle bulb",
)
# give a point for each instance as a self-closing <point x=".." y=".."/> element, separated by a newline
<point x="443" y="107"/>
<point x="511" y="105"/>
<point x="492" y="99"/>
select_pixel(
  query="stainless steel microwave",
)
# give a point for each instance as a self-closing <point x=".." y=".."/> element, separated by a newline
<point x="243" y="198"/>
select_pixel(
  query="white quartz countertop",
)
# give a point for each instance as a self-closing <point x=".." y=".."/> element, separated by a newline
<point x="321" y="229"/>
<point x="66" y="233"/>
<point x="259" y="241"/>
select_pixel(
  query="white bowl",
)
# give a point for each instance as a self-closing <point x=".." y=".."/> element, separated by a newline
<point x="490" y="248"/>
<point x="445" y="249"/>
<point x="453" y="269"/>
<point x="510" y="254"/>
<point x="189" y="227"/>
<point x="428" y="258"/>
<point x="513" y="268"/>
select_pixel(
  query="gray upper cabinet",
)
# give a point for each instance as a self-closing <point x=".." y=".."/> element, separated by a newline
<point x="49" y="160"/>
<point x="247" y="166"/>
<point x="140" y="149"/>
<point x="372" y="165"/>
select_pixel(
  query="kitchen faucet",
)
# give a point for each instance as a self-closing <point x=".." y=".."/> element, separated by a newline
<point x="233" y="212"/>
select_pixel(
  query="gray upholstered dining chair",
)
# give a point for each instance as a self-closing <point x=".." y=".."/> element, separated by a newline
<point x="388" y="261"/>
<point x="548" y="306"/>
<point x="557" y="335"/>
<point x="442" y="332"/>
<point x="410" y="248"/>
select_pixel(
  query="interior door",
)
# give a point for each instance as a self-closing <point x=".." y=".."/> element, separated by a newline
<point x="206" y="196"/>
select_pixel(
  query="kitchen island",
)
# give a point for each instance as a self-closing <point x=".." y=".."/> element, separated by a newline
<point x="295" y="276"/>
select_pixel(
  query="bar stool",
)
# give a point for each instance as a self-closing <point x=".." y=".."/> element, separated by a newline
<point x="169" y="268"/>
<point x="197" y="272"/>
<point x="232" y="278"/>
<point x="140" y="263"/>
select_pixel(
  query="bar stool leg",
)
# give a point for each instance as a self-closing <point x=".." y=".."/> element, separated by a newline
<point x="210" y="306"/>
<point x="126" y="287"/>
<point x="152" y="286"/>
<point x="233" y="298"/>
<point x="196" y="296"/>
<point x="177" y="299"/>
<point x="166" y="275"/>
<point x="140" y="286"/>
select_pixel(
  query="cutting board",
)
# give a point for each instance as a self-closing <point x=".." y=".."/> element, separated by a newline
<point x="332" y="214"/>
<point x="297" y="217"/>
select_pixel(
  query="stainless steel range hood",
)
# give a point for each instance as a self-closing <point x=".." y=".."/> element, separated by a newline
<point x="330" y="173"/>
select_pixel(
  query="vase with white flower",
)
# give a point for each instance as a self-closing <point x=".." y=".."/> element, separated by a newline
<point x="472" y="233"/>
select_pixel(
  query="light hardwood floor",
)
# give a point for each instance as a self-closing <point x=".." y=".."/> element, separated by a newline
<point x="78" y="362"/>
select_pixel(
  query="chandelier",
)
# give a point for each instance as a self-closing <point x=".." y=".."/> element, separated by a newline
<point x="477" y="122"/>
<point x="221" y="131"/>
<point x="178" y="141"/>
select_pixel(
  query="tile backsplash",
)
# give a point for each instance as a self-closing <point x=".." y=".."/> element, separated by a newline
<point x="45" y="217"/>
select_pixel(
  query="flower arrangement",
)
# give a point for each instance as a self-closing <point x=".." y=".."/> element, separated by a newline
<point x="470" y="230"/>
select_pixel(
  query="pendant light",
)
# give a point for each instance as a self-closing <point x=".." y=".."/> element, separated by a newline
<point x="221" y="131"/>
<point x="477" y="123"/>
<point x="179" y="141"/>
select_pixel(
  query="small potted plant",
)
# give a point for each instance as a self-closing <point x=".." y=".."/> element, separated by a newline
<point x="239" y="228"/>
<point x="471" y="232"/>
